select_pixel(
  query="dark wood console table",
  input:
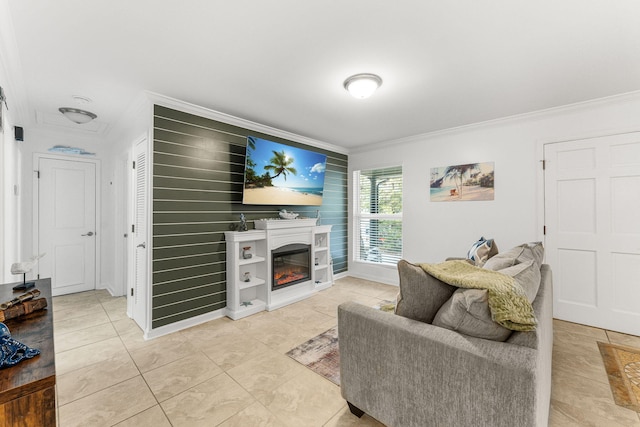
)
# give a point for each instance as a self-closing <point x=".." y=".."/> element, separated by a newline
<point x="27" y="390"/>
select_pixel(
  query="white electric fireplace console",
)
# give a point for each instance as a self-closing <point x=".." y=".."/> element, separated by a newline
<point x="281" y="262"/>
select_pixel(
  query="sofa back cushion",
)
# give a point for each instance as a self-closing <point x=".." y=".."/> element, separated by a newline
<point x="467" y="312"/>
<point x="421" y="295"/>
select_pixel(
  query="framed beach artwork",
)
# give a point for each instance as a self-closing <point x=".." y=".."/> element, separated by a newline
<point x="469" y="182"/>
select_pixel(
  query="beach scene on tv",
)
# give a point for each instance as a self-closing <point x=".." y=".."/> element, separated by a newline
<point x="279" y="174"/>
<point x="471" y="182"/>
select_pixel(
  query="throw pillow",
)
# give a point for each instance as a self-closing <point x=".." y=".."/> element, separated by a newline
<point x="527" y="275"/>
<point x="482" y="250"/>
<point x="421" y="295"/>
<point x="467" y="312"/>
<point x="525" y="252"/>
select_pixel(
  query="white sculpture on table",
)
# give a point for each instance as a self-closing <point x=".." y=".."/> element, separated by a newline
<point x="24" y="267"/>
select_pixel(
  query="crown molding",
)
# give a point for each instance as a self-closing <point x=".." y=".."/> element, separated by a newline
<point x="187" y="107"/>
<point x="568" y="108"/>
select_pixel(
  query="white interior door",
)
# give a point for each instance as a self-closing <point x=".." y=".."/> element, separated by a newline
<point x="592" y="217"/>
<point x="139" y="241"/>
<point x="67" y="224"/>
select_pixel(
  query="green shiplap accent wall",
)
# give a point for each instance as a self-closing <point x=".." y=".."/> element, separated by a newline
<point x="198" y="173"/>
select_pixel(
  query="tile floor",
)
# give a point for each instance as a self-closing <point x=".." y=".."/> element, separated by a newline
<point x="235" y="373"/>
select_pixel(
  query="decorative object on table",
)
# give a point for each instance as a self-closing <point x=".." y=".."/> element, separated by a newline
<point x="287" y="215"/>
<point x="20" y="299"/>
<point x="23" y="268"/>
<point x="13" y="352"/>
<point x="247" y="276"/>
<point x="470" y="182"/>
<point x="246" y="303"/>
<point x="245" y="252"/>
<point x="622" y="364"/>
<point x="243" y="223"/>
<point x="22" y="309"/>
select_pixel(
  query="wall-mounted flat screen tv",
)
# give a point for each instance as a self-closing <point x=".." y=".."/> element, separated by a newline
<point x="279" y="174"/>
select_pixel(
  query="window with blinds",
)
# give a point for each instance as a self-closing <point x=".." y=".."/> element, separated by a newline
<point x="378" y="215"/>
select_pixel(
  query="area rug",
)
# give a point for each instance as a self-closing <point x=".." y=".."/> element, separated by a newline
<point x="320" y="354"/>
<point x="623" y="370"/>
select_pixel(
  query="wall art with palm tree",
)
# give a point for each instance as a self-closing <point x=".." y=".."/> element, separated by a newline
<point x="279" y="174"/>
<point x="471" y="182"/>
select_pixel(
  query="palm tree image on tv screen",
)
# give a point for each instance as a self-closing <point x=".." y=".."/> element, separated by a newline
<point x="279" y="174"/>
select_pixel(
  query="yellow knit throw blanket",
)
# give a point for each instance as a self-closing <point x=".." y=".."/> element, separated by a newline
<point x="507" y="301"/>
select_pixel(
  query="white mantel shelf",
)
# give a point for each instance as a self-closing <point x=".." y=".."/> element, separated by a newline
<point x="254" y="295"/>
<point x="276" y="223"/>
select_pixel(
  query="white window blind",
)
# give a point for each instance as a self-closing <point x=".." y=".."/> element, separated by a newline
<point x="378" y="216"/>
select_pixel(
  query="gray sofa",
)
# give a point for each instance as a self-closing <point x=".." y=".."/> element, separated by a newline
<point x="405" y="372"/>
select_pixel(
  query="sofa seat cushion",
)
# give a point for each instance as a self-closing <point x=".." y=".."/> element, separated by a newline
<point x="421" y="295"/>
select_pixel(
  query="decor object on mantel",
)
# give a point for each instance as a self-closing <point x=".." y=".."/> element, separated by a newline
<point x="13" y="352"/>
<point x="287" y="215"/>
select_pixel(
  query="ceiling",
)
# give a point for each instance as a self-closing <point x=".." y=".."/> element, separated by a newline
<point x="282" y="63"/>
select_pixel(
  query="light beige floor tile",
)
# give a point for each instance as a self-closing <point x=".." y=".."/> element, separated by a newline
<point x="116" y="308"/>
<point x="90" y="335"/>
<point x="79" y="310"/>
<point x="212" y="329"/>
<point x="79" y="323"/>
<point x="134" y="339"/>
<point x="362" y="286"/>
<point x="152" y="417"/>
<point x="66" y="302"/>
<point x="576" y="343"/>
<point x="306" y="400"/>
<point x="588" y="365"/>
<point x="573" y="395"/>
<point x="109" y="406"/>
<point x="321" y="304"/>
<point x="176" y="377"/>
<point x="231" y="350"/>
<point x="160" y="353"/>
<point x="345" y="418"/>
<point x="302" y="315"/>
<point x="126" y="326"/>
<point x="100" y="352"/>
<point x="254" y="415"/>
<point x="575" y="328"/>
<point x="263" y="374"/>
<point x="208" y="403"/>
<point x="623" y="339"/>
<point x="90" y="379"/>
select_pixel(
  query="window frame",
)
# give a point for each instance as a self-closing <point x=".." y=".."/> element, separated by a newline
<point x="359" y="216"/>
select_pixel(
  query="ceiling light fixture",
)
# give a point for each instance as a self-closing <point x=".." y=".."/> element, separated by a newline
<point x="76" y="115"/>
<point x="363" y="85"/>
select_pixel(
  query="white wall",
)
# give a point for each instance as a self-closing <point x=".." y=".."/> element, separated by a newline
<point x="434" y="231"/>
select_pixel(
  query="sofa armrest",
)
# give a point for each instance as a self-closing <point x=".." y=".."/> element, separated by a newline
<point x="408" y="373"/>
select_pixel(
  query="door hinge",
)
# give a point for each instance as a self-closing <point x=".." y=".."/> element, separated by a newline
<point x="133" y="228"/>
<point x="134" y="164"/>
<point x="131" y="291"/>
<point x="38" y="276"/>
<point x="544" y="230"/>
<point x="37" y="173"/>
<point x="544" y="164"/>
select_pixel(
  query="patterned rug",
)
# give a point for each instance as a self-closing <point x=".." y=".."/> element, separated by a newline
<point x="320" y="354"/>
<point x="623" y="369"/>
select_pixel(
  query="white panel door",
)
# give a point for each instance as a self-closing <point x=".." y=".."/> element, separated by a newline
<point x="67" y="224"/>
<point x="140" y="250"/>
<point x="592" y="218"/>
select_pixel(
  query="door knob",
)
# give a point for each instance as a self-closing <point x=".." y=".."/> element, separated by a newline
<point x="142" y="245"/>
<point x="88" y="234"/>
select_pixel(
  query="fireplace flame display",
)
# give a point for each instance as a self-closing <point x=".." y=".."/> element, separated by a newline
<point x="291" y="264"/>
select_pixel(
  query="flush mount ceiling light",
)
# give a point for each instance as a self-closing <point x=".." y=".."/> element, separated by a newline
<point x="76" y="115"/>
<point x="363" y="85"/>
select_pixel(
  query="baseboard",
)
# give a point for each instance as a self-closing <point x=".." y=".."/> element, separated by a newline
<point x="183" y="324"/>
